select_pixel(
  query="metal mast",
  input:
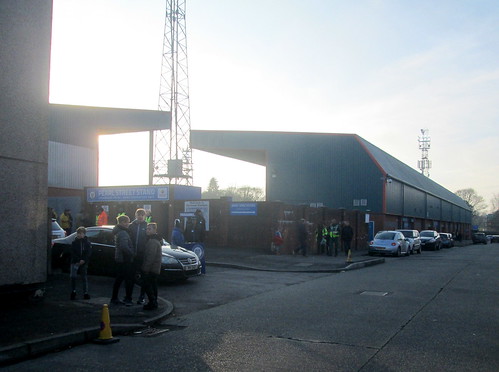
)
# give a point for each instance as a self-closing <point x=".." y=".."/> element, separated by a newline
<point x="424" y="145"/>
<point x="172" y="157"/>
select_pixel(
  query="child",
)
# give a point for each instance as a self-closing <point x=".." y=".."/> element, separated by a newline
<point x="81" y="249"/>
<point x="151" y="266"/>
<point x="277" y="241"/>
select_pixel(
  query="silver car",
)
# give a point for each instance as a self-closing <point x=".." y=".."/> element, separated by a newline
<point x="414" y="240"/>
<point x="389" y="242"/>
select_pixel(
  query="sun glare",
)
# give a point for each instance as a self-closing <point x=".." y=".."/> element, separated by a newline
<point x="124" y="159"/>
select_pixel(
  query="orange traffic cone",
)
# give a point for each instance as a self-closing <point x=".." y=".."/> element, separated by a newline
<point x="105" y="334"/>
<point x="349" y="257"/>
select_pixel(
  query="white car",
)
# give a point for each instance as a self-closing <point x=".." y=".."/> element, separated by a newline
<point x="57" y="231"/>
<point x="414" y="240"/>
<point x="389" y="242"/>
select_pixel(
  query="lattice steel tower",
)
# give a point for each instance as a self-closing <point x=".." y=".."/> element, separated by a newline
<point x="424" y="145"/>
<point x="172" y="153"/>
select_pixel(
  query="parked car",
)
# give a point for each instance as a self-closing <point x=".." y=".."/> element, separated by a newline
<point x="57" y="231"/>
<point x="430" y="239"/>
<point x="446" y="240"/>
<point x="494" y="239"/>
<point x="414" y="240"/>
<point x="479" y="237"/>
<point x="177" y="263"/>
<point x="389" y="242"/>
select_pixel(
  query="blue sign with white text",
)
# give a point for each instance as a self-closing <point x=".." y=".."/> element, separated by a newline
<point x="135" y="193"/>
<point x="243" y="209"/>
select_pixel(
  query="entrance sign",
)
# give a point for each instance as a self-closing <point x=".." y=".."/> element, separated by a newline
<point x="133" y="193"/>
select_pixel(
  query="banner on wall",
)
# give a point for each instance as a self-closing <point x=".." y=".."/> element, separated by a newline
<point x="243" y="209"/>
<point x="203" y="206"/>
<point x="138" y="193"/>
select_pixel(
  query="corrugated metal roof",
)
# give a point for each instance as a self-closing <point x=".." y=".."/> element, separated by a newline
<point x="253" y="147"/>
<point x="396" y="169"/>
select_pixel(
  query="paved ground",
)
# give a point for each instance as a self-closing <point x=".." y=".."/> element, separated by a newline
<point x="54" y="322"/>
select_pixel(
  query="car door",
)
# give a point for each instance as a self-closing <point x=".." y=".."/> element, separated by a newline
<point x="404" y="245"/>
<point x="102" y="260"/>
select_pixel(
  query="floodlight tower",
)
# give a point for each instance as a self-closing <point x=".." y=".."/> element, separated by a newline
<point x="171" y="149"/>
<point x="424" y="145"/>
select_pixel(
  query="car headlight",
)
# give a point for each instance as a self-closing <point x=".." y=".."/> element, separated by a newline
<point x="167" y="260"/>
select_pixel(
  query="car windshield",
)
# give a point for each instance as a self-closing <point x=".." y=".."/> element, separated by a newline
<point x="428" y="234"/>
<point x="385" y="236"/>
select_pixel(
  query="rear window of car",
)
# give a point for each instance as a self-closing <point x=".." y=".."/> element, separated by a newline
<point x="385" y="236"/>
<point x="408" y="233"/>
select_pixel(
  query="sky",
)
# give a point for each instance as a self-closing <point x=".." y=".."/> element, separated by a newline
<point x="382" y="69"/>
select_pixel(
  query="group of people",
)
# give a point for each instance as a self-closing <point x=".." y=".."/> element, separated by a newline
<point x="137" y="255"/>
<point x="331" y="238"/>
<point x="334" y="237"/>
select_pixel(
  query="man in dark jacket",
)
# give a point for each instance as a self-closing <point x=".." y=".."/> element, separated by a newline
<point x="81" y="249"/>
<point x="137" y="230"/>
<point x="199" y="226"/>
<point x="346" y="236"/>
<point x="302" y="235"/>
<point x="151" y="266"/>
<point x="123" y="255"/>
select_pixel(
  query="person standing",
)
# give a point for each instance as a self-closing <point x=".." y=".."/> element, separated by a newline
<point x="199" y="226"/>
<point x="123" y="255"/>
<point x="302" y="235"/>
<point x="151" y="266"/>
<point x="137" y="230"/>
<point x="177" y="239"/>
<point x="81" y="250"/>
<point x="346" y="236"/>
<point x="66" y="221"/>
<point x="277" y="241"/>
<point x="101" y="217"/>
<point x="334" y="237"/>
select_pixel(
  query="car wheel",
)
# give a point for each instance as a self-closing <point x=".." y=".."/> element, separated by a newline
<point x="398" y="253"/>
<point x="419" y="250"/>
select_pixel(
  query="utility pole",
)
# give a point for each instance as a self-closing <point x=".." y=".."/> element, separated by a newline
<point x="424" y="145"/>
<point x="171" y="153"/>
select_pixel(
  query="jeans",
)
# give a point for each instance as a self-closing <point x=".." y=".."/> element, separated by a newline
<point x="124" y="272"/>
<point x="82" y="270"/>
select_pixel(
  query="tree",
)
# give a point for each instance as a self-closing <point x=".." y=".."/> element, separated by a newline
<point x="474" y="201"/>
<point x="213" y="191"/>
<point x="244" y="193"/>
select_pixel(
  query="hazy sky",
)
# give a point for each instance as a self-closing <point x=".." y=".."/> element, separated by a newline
<point x="381" y="69"/>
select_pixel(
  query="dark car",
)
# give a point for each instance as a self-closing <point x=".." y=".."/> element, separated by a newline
<point x="447" y="241"/>
<point x="414" y="240"/>
<point x="177" y="263"/>
<point x="430" y="239"/>
<point x="479" y="238"/>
